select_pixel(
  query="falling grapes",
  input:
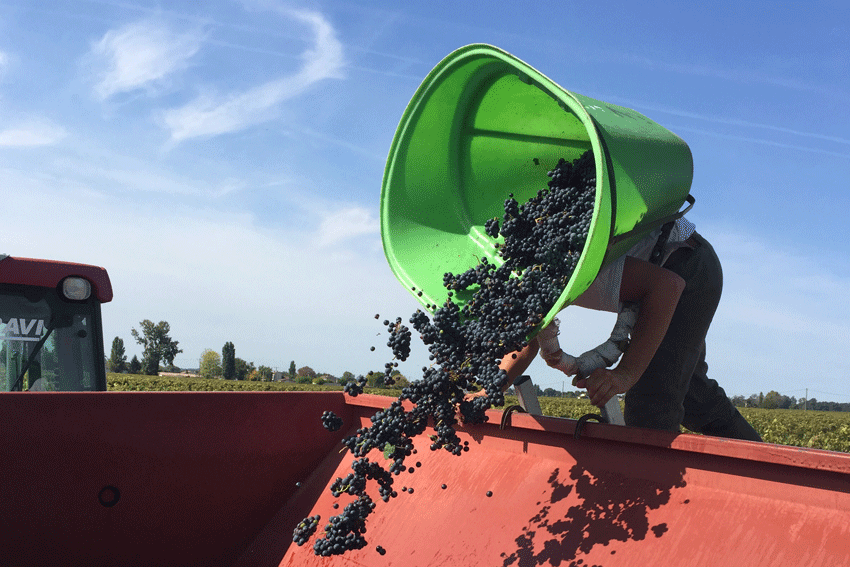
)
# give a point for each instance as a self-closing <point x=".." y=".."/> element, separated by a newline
<point x="543" y="239"/>
<point x="331" y="421"/>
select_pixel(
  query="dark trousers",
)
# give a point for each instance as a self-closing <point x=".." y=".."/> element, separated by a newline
<point x="675" y="390"/>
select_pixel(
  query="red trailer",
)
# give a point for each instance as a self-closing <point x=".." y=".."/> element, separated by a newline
<point x="222" y="478"/>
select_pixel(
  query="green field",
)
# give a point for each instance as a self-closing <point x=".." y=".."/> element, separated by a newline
<point x="816" y="429"/>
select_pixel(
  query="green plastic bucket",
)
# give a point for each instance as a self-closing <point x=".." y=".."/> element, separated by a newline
<point x="484" y="124"/>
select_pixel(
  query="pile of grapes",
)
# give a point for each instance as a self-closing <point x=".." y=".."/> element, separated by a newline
<point x="543" y="240"/>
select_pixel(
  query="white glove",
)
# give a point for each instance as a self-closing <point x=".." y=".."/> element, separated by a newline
<point x="602" y="356"/>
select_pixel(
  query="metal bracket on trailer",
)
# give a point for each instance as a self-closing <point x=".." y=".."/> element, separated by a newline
<point x="612" y="412"/>
<point x="527" y="396"/>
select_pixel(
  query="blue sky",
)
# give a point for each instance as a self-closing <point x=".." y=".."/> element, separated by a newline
<point x="223" y="160"/>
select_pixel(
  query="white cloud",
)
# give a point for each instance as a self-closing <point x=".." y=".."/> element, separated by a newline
<point x="785" y="289"/>
<point x="345" y="224"/>
<point x="141" y="55"/>
<point x="210" y="116"/>
<point x="216" y="276"/>
<point x="325" y="60"/>
<point x="31" y="134"/>
<point x="121" y="173"/>
<point x="781" y="323"/>
<point x="4" y="63"/>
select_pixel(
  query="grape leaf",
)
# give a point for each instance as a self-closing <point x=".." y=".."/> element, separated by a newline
<point x="389" y="449"/>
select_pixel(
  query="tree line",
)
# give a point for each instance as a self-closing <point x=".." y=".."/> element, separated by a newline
<point x="775" y="400"/>
<point x="159" y="351"/>
<point x="158" y="348"/>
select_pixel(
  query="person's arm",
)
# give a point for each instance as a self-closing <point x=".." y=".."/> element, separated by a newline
<point x="514" y="363"/>
<point x="657" y="291"/>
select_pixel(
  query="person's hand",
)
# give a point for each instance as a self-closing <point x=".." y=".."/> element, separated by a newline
<point x="603" y="384"/>
<point x="467" y="398"/>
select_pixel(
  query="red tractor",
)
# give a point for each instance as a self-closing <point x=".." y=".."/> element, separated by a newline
<point x="51" y="338"/>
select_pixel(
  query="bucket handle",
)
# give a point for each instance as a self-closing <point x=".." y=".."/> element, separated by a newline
<point x="658" y="222"/>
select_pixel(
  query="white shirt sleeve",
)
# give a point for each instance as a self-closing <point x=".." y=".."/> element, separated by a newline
<point x="604" y="293"/>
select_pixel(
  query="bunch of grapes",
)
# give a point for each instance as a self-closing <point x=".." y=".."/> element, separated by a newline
<point x="305" y="529"/>
<point x="543" y="240"/>
<point x="331" y="421"/>
<point x="345" y="531"/>
<point x="399" y="340"/>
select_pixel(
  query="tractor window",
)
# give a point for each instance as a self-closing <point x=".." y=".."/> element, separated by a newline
<point x="46" y="344"/>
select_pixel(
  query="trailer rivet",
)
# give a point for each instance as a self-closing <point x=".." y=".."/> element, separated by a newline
<point x="109" y="496"/>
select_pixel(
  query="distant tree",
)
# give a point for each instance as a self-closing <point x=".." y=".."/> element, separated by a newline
<point x="243" y="369"/>
<point x="738" y="401"/>
<point x="265" y="373"/>
<point x="375" y="379"/>
<point x="118" y="358"/>
<point x="306" y="371"/>
<point x="303" y="380"/>
<point x="346" y="378"/>
<point x="210" y="364"/>
<point x="228" y="361"/>
<point x="135" y="366"/>
<point x="292" y="371"/>
<point x="158" y="346"/>
<point x="771" y="400"/>
<point x="401" y="380"/>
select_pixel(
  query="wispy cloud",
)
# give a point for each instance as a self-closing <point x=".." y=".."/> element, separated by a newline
<point x="641" y="105"/>
<point x="31" y="134"/>
<point x="744" y="75"/>
<point x="345" y="224"/>
<point x="141" y="55"/>
<point x="117" y="173"/>
<point x="4" y="63"/>
<point x="762" y="141"/>
<point x="210" y="116"/>
<point x="787" y="331"/>
<point x="806" y="292"/>
<point x="274" y="280"/>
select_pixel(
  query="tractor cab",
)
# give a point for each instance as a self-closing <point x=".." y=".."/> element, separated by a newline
<point x="51" y="338"/>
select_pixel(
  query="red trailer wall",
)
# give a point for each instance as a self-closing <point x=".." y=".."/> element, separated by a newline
<point x="209" y="478"/>
<point x="199" y="473"/>
<point x="616" y="497"/>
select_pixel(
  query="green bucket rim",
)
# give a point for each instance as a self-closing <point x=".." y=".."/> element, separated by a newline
<point x="601" y="225"/>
